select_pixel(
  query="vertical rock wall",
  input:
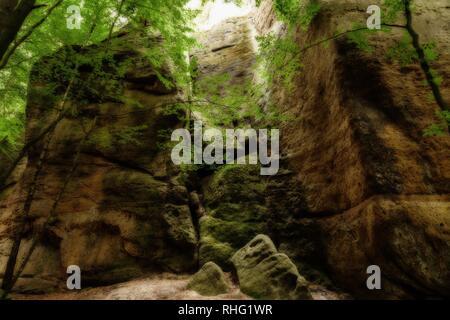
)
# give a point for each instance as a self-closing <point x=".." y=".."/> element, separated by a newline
<point x="126" y="210"/>
<point x="360" y="185"/>
<point x="356" y="143"/>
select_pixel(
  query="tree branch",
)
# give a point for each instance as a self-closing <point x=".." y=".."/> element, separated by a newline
<point x="58" y="199"/>
<point x="22" y="39"/>
<point x="38" y="6"/>
<point x="426" y="68"/>
<point x="12" y="16"/>
<point x="35" y="140"/>
<point x="111" y="29"/>
<point x="344" y="33"/>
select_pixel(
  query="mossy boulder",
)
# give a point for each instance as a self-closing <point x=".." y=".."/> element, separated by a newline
<point x="236" y="212"/>
<point x="209" y="281"/>
<point x="266" y="274"/>
<point x="235" y="233"/>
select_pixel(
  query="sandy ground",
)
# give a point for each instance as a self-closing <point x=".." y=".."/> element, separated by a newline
<point x="160" y="287"/>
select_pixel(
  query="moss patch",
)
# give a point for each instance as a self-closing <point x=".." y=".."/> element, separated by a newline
<point x="213" y="250"/>
<point x="235" y="202"/>
<point x="209" y="281"/>
<point x="266" y="274"/>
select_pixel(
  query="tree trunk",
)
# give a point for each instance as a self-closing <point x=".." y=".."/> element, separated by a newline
<point x="12" y="16"/>
<point x="422" y="58"/>
<point x="8" y="278"/>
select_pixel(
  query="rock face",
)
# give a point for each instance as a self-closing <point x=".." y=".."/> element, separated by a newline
<point x="266" y="274"/>
<point x="359" y="185"/>
<point x="125" y="209"/>
<point x="360" y="116"/>
<point x="209" y="281"/>
<point x="234" y="197"/>
<point x="356" y="152"/>
<point x="408" y="237"/>
<point x="227" y="49"/>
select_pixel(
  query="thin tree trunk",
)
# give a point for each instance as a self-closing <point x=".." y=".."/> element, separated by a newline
<point x="58" y="199"/>
<point x="34" y="141"/>
<point x="10" y="51"/>
<point x="422" y="58"/>
<point x="25" y="151"/>
<point x="12" y="16"/>
<point x="8" y="277"/>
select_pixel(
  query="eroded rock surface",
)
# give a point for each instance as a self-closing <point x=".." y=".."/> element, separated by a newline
<point x="356" y="154"/>
<point x="266" y="274"/>
<point x="209" y="281"/>
<point x="125" y="209"/>
<point x="359" y="185"/>
<point x="408" y="237"/>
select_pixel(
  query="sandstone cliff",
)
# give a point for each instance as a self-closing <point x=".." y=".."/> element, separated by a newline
<point x="359" y="185"/>
<point x="373" y="189"/>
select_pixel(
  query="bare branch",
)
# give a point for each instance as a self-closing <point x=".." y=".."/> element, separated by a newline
<point x="58" y="199"/>
<point x="35" y="140"/>
<point x="426" y="68"/>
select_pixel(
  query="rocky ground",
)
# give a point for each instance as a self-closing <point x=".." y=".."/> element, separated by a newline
<point x="161" y="287"/>
<point x="262" y="273"/>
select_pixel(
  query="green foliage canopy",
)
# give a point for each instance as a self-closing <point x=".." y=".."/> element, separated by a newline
<point x="171" y="20"/>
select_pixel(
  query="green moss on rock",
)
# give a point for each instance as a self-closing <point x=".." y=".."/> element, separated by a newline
<point x="236" y="233"/>
<point x="209" y="281"/>
<point x="236" y="184"/>
<point x="101" y="140"/>
<point x="134" y="187"/>
<point x="213" y="250"/>
<point x="236" y="212"/>
<point x="266" y="274"/>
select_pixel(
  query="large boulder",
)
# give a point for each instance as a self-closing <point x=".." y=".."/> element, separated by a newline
<point x="209" y="281"/>
<point x="266" y="274"/>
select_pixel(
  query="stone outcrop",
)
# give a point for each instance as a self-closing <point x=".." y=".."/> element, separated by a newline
<point x="227" y="49"/>
<point x="356" y="152"/>
<point x="359" y="185"/>
<point x="266" y="274"/>
<point x="209" y="281"/>
<point x="234" y="197"/>
<point x="126" y="209"/>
